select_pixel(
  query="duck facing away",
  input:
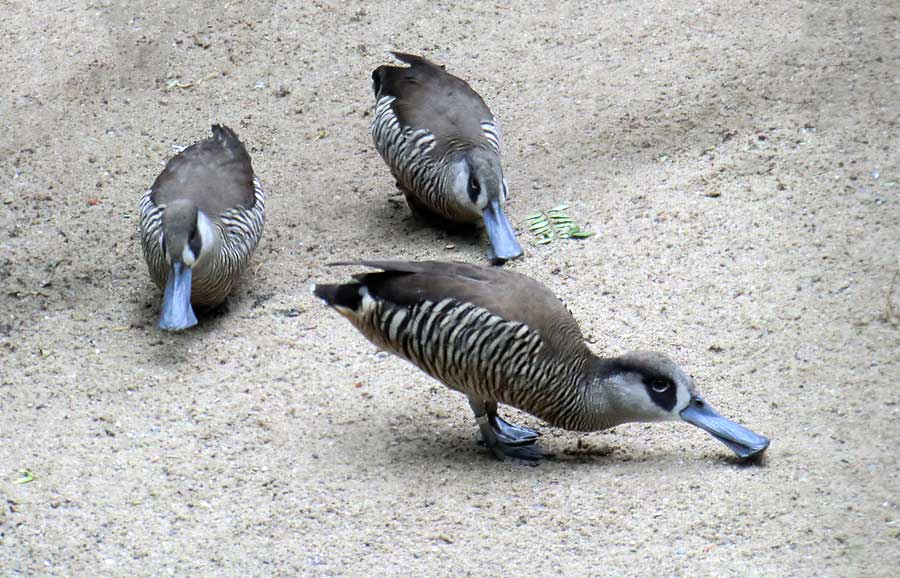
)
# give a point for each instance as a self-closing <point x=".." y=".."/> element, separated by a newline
<point x="442" y="145"/>
<point x="498" y="336"/>
<point x="200" y="222"/>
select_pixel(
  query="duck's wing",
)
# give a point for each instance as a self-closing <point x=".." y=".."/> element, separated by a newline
<point x="216" y="174"/>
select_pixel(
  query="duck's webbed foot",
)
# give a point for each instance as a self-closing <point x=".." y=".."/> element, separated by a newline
<point x="504" y="439"/>
<point x="512" y="434"/>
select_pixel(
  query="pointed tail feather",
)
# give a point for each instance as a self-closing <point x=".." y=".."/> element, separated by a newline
<point x="410" y="59"/>
<point x="225" y="135"/>
<point x="376" y="80"/>
<point x="346" y="296"/>
<point x="415" y="60"/>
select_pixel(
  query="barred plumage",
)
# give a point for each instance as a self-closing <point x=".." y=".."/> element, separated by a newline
<point x="239" y="231"/>
<point x="411" y="156"/>
<point x="481" y="355"/>
<point x="200" y="222"/>
<point x="442" y="145"/>
<point x="500" y="337"/>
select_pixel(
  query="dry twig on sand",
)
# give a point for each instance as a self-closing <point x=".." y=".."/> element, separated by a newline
<point x="891" y="315"/>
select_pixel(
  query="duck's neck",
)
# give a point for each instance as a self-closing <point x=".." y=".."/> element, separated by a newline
<point x="576" y="397"/>
<point x="599" y="408"/>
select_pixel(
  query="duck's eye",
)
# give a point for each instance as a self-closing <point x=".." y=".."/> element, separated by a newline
<point x="660" y="385"/>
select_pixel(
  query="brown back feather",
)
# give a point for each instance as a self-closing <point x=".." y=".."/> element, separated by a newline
<point x="507" y="294"/>
<point x="215" y="174"/>
<point x="430" y="98"/>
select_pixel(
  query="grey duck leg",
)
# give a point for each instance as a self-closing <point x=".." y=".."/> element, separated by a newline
<point x="503" y="443"/>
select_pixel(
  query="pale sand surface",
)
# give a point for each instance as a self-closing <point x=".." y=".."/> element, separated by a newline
<point x="738" y="161"/>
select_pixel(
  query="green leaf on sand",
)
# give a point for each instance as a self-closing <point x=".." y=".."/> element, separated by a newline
<point x="25" y="476"/>
<point x="554" y="223"/>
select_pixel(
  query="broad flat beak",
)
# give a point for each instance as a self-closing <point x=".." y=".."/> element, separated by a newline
<point x="177" y="313"/>
<point x="504" y="246"/>
<point x="743" y="442"/>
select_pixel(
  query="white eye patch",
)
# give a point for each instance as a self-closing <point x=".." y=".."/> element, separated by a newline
<point x="460" y="183"/>
<point x="187" y="256"/>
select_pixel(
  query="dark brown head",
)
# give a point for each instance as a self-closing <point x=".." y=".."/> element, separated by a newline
<point x="187" y="237"/>
<point x="646" y="386"/>
<point x="478" y="183"/>
<point x="181" y="240"/>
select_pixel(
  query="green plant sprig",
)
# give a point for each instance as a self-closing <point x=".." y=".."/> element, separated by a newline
<point x="553" y="224"/>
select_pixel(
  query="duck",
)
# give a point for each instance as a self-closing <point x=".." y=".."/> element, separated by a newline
<point x="442" y="145"/>
<point x="500" y="337"/>
<point x="200" y="222"/>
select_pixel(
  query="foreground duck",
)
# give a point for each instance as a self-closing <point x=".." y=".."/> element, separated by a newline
<point x="200" y="222"/>
<point x="442" y="145"/>
<point x="500" y="337"/>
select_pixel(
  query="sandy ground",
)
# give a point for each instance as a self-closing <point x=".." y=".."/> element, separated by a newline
<point x="739" y="165"/>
